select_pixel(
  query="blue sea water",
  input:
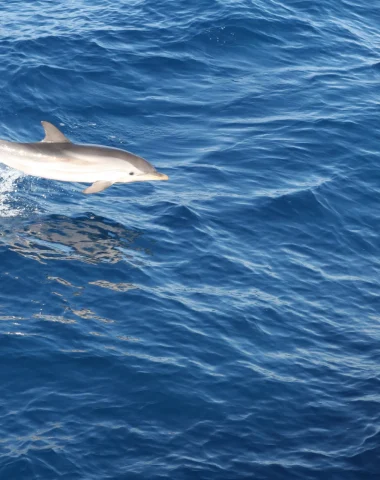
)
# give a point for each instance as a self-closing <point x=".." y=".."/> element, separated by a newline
<point x="222" y="325"/>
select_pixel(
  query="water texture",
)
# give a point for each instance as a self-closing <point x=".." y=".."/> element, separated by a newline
<point x="222" y="325"/>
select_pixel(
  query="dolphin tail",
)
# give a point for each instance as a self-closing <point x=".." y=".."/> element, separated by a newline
<point x="98" y="187"/>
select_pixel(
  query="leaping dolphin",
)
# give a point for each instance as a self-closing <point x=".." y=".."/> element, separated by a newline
<point x="57" y="158"/>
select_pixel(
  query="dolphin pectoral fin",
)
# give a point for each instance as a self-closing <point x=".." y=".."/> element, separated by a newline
<point x="53" y="135"/>
<point x="98" y="187"/>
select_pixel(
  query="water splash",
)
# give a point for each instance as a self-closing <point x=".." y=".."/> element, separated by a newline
<point x="8" y="179"/>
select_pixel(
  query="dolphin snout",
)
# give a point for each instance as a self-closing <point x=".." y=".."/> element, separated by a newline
<point x="149" y="176"/>
<point x="161" y="176"/>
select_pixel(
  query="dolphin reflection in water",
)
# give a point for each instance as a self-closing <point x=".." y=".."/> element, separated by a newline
<point x="57" y="158"/>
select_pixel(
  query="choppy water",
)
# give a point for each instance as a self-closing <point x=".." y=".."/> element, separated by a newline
<point x="225" y="324"/>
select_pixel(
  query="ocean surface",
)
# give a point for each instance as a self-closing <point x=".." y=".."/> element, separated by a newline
<point x="225" y="324"/>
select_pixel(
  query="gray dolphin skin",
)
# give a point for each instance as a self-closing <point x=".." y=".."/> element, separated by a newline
<point x="57" y="158"/>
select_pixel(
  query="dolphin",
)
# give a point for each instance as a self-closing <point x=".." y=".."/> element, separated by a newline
<point x="57" y="158"/>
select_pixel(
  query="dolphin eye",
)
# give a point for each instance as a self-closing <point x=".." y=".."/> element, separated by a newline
<point x="131" y="173"/>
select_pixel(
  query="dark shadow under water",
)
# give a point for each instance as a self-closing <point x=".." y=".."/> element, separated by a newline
<point x="88" y="238"/>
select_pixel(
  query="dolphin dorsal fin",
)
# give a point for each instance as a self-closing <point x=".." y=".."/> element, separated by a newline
<point x="53" y="135"/>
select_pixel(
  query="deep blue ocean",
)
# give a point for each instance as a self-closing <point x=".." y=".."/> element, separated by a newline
<point x="225" y="324"/>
